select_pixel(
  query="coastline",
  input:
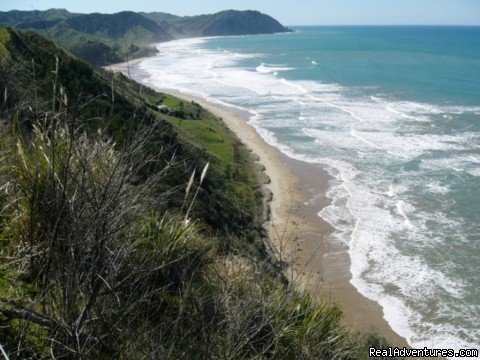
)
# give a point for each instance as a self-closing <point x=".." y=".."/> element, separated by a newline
<point x="321" y="266"/>
<point x="124" y="67"/>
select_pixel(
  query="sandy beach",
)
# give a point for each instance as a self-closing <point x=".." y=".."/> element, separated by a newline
<point x="299" y="235"/>
<point x="125" y="66"/>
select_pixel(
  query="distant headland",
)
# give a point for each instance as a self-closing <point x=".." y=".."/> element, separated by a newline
<point x="103" y="39"/>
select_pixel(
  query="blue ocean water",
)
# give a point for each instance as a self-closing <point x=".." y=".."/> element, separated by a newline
<point x="394" y="115"/>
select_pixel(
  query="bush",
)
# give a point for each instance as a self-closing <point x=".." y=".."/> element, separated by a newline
<point x="98" y="261"/>
<point x="70" y="224"/>
<point x="101" y="272"/>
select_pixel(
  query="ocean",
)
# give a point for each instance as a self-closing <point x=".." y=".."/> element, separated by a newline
<point x="393" y="113"/>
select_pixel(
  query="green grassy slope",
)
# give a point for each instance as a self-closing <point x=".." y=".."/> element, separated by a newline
<point x="16" y="17"/>
<point x="191" y="132"/>
<point x="103" y="39"/>
<point x="229" y="22"/>
<point x="96" y="258"/>
<point x="97" y="38"/>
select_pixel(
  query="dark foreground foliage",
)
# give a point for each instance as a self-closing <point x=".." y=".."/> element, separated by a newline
<point x="128" y="233"/>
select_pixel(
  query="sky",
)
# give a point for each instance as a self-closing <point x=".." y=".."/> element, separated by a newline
<point x="288" y="12"/>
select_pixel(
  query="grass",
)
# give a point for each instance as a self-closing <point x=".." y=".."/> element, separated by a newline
<point x="103" y="49"/>
<point x="4" y="39"/>
<point x="97" y="260"/>
<point x="105" y="39"/>
<point x="106" y="262"/>
<point x="202" y="129"/>
<point x="209" y="134"/>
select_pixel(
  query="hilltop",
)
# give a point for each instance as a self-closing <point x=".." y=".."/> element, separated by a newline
<point x="229" y="22"/>
<point x="103" y="39"/>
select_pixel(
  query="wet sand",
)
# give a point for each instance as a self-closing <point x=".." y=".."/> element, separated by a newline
<point x="319" y="265"/>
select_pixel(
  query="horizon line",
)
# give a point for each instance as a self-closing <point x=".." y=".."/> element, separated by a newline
<point x="297" y="25"/>
<point x="392" y="25"/>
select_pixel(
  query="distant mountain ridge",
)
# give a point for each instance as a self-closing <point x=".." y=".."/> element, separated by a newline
<point x="102" y="39"/>
<point x="115" y="25"/>
<point x="228" y="22"/>
<point x="15" y="17"/>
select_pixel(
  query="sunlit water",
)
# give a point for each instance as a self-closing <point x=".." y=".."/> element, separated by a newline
<point x="394" y="115"/>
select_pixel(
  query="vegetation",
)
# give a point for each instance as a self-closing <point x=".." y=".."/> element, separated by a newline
<point x="14" y="17"/>
<point x="103" y="39"/>
<point x="131" y="227"/>
<point x="104" y="100"/>
<point x="100" y="39"/>
<point x="229" y="22"/>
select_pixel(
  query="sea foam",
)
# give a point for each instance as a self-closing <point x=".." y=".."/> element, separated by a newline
<point x="377" y="149"/>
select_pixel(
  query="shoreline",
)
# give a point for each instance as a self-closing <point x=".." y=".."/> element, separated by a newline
<point x="321" y="266"/>
<point x="124" y="67"/>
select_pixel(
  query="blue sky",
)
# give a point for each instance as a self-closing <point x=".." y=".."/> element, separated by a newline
<point x="296" y="12"/>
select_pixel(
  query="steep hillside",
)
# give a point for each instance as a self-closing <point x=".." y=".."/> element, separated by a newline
<point x="131" y="227"/>
<point x="103" y="39"/>
<point x="97" y="38"/>
<point x="17" y="17"/>
<point x="159" y="17"/>
<point x="127" y="24"/>
<point x="229" y="22"/>
<point x="132" y="106"/>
